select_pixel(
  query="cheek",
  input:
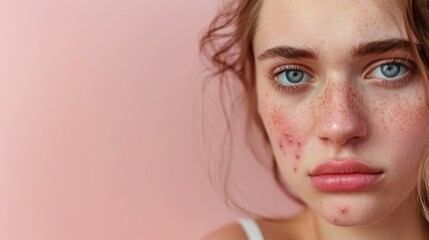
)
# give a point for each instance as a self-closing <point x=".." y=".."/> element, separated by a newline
<point x="284" y="125"/>
<point x="404" y="123"/>
<point x="408" y="114"/>
<point x="402" y="133"/>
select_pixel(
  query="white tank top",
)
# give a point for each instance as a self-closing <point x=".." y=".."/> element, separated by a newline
<point x="251" y="229"/>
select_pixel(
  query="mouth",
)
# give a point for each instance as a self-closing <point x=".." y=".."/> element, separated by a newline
<point x="344" y="175"/>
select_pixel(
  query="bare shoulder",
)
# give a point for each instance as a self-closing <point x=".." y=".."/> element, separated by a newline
<point x="231" y="231"/>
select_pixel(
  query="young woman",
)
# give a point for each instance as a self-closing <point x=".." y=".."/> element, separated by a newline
<point x="340" y="88"/>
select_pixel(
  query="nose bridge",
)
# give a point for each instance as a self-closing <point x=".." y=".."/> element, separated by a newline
<point x="340" y="100"/>
<point x="340" y="118"/>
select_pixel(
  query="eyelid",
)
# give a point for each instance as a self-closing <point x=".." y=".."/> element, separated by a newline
<point x="285" y="67"/>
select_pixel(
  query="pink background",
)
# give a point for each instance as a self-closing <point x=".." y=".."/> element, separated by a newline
<point x="100" y="121"/>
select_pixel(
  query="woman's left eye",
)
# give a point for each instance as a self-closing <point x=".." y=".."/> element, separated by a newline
<point x="389" y="71"/>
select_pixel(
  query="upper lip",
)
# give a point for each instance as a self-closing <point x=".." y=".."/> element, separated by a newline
<point x="344" y="166"/>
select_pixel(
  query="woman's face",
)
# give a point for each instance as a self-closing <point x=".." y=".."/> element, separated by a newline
<point x="343" y="105"/>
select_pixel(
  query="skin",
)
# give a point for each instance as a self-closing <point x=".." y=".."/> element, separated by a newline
<point x="344" y="111"/>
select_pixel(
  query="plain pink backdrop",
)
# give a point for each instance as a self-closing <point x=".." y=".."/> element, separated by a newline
<point x="100" y="127"/>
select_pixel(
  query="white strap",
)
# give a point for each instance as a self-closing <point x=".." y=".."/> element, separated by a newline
<point x="251" y="229"/>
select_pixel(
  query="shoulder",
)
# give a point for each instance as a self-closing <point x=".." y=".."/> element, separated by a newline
<point x="297" y="227"/>
<point x="300" y="226"/>
<point x="232" y="231"/>
<point x="270" y="230"/>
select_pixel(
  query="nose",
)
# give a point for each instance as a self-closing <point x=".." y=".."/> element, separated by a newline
<point x="341" y="120"/>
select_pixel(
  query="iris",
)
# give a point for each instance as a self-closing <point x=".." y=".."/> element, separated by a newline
<point x="390" y="70"/>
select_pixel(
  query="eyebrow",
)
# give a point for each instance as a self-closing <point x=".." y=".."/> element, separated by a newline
<point x="379" y="47"/>
<point x="288" y="52"/>
<point x="362" y="50"/>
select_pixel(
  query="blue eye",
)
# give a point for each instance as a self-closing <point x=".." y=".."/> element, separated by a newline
<point x="389" y="71"/>
<point x="292" y="77"/>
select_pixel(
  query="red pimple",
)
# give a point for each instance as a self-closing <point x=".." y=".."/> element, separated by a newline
<point x="297" y="156"/>
<point x="343" y="210"/>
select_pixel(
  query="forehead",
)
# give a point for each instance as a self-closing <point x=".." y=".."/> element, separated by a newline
<point x="325" y="24"/>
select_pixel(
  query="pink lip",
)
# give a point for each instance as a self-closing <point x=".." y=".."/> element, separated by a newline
<point x="344" y="175"/>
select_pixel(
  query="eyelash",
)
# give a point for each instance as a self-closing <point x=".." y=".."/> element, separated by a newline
<point x="275" y="83"/>
<point x="295" y="88"/>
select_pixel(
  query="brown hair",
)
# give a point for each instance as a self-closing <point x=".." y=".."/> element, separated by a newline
<point x="227" y="44"/>
<point x="416" y="14"/>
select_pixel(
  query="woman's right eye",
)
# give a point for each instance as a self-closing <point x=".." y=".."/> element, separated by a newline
<point x="290" y="76"/>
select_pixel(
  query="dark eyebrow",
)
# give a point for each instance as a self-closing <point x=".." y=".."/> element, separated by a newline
<point x="383" y="46"/>
<point x="288" y="52"/>
<point x="364" y="49"/>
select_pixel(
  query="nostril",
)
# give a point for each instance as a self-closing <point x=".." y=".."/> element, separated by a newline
<point x="355" y="140"/>
<point x="341" y="141"/>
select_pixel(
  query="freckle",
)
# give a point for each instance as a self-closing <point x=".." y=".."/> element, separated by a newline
<point x="281" y="146"/>
<point x="295" y="169"/>
<point x="299" y="143"/>
<point x="266" y="104"/>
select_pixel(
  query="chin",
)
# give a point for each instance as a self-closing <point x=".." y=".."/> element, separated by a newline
<point x="348" y="222"/>
<point x="351" y="210"/>
<point x="353" y="221"/>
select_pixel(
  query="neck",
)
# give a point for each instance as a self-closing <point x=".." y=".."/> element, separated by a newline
<point x="404" y="223"/>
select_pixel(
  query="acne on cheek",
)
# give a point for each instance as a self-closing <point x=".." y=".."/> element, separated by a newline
<point x="285" y="128"/>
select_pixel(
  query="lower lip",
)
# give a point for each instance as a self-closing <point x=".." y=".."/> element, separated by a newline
<point x="344" y="182"/>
